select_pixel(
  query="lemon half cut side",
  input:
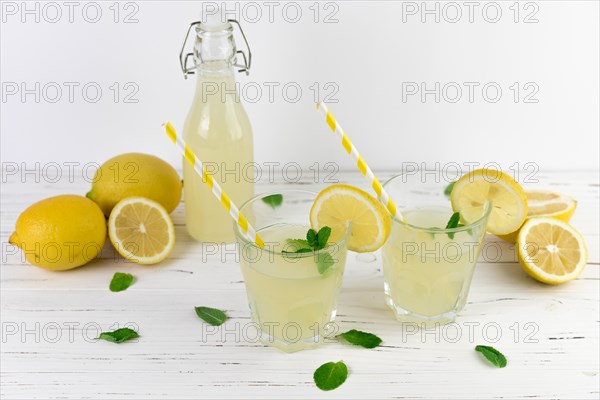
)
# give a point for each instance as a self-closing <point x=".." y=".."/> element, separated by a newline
<point x="551" y="251"/>
<point x="141" y="230"/>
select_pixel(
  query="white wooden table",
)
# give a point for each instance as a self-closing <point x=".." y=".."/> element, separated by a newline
<point x="549" y="334"/>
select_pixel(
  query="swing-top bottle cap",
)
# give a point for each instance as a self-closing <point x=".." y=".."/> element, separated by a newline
<point x="213" y="21"/>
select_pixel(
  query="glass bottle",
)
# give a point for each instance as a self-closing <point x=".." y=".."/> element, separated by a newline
<point x="217" y="129"/>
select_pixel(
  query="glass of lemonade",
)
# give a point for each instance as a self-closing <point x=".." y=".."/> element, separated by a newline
<point x="428" y="268"/>
<point x="292" y="296"/>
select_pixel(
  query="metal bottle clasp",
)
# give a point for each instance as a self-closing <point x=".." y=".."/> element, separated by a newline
<point x="191" y="69"/>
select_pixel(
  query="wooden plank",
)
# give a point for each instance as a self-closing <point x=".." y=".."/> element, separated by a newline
<point x="549" y="334"/>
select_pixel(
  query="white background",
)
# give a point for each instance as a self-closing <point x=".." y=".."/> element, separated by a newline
<point x="368" y="53"/>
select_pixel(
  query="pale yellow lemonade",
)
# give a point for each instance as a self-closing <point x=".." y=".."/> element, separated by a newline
<point x="289" y="298"/>
<point x="217" y="129"/>
<point x="427" y="272"/>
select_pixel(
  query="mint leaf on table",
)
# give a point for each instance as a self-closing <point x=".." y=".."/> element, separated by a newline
<point x="449" y="188"/>
<point x="273" y="200"/>
<point x="119" y="336"/>
<point x="211" y="316"/>
<point x="453" y="223"/>
<point x="324" y="262"/>
<point x="360" y="338"/>
<point x="330" y="375"/>
<point x="120" y="282"/>
<point x="492" y="355"/>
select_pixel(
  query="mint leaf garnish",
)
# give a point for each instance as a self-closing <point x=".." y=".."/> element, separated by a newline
<point x="273" y="200"/>
<point x="493" y="355"/>
<point x="297" y="246"/>
<point x="323" y="237"/>
<point x="453" y="223"/>
<point x="211" y="316"/>
<point x="330" y="375"/>
<point x="324" y="262"/>
<point x="120" y="281"/>
<point x="311" y="238"/>
<point x="359" y="338"/>
<point x="314" y="241"/>
<point x="119" y="336"/>
<point x="449" y="188"/>
<point x="318" y="240"/>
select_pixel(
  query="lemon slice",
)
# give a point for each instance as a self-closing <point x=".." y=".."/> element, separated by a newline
<point x="141" y="230"/>
<point x="339" y="205"/>
<point x="509" y="203"/>
<point x="543" y="203"/>
<point x="551" y="250"/>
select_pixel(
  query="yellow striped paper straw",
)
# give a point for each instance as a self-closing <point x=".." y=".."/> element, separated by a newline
<point x="223" y="198"/>
<point x="383" y="196"/>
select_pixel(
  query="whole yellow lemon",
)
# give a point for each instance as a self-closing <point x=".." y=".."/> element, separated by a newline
<point x="61" y="232"/>
<point x="139" y="175"/>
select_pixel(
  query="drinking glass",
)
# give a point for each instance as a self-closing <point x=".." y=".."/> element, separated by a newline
<point x="427" y="267"/>
<point x="292" y="296"/>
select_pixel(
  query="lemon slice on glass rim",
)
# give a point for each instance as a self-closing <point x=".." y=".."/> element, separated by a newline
<point x="509" y="203"/>
<point x="342" y="206"/>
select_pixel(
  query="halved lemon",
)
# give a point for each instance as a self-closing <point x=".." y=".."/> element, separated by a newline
<point x="543" y="203"/>
<point x="509" y="203"/>
<point x="551" y="250"/>
<point x="141" y="230"/>
<point x="338" y="206"/>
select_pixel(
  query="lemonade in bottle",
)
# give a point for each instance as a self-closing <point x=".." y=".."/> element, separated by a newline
<point x="217" y="129"/>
